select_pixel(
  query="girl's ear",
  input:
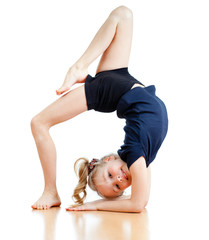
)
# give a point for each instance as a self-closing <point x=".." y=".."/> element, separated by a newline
<point x="110" y="158"/>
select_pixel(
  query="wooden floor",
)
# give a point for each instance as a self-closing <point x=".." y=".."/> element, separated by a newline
<point x="56" y="223"/>
<point x="25" y="223"/>
<point x="92" y="225"/>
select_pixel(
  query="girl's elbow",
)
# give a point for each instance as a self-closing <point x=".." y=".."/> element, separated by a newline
<point x="139" y="207"/>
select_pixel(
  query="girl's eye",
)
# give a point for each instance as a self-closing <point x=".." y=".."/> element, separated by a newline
<point x="110" y="175"/>
<point x="117" y="186"/>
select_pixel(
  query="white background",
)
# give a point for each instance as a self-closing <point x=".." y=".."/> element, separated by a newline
<point x="40" y="40"/>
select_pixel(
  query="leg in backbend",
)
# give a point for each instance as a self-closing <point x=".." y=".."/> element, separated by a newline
<point x="66" y="107"/>
<point x="113" y="40"/>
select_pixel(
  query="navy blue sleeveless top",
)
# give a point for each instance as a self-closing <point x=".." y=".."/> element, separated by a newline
<point x="146" y="124"/>
<point x="145" y="114"/>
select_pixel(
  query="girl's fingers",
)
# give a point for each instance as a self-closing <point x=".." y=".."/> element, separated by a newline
<point x="75" y="209"/>
<point x="84" y="207"/>
<point x="70" y="209"/>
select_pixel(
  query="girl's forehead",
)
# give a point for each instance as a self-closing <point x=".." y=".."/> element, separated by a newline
<point x="114" y="163"/>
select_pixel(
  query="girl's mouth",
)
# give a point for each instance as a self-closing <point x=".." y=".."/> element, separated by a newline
<point x="124" y="174"/>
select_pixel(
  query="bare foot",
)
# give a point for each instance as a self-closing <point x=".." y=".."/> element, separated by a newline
<point x="74" y="75"/>
<point x="47" y="200"/>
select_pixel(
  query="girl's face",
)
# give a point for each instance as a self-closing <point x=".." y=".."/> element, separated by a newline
<point x="113" y="178"/>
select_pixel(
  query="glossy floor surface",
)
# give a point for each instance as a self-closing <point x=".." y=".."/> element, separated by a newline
<point x="182" y="222"/>
<point x="91" y="225"/>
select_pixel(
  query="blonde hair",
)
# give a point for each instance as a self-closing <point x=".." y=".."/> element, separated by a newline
<point x="81" y="168"/>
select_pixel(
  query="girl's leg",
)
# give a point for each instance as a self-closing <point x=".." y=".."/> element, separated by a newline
<point x="113" y="40"/>
<point x="66" y="107"/>
<point x="118" y="52"/>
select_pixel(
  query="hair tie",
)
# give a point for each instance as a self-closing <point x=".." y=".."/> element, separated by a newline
<point x="92" y="165"/>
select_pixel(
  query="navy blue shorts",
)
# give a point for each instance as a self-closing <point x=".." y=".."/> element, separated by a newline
<point x="104" y="91"/>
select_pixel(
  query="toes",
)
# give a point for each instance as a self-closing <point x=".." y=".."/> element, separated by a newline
<point x="34" y="206"/>
<point x="40" y="207"/>
<point x="60" y="91"/>
<point x="46" y="207"/>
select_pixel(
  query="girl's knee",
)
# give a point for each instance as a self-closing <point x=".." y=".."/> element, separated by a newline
<point x="37" y="124"/>
<point x="34" y="123"/>
<point x="122" y="12"/>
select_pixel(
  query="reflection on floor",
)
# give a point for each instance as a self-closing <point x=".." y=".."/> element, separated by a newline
<point x="165" y="221"/>
<point x="94" y="225"/>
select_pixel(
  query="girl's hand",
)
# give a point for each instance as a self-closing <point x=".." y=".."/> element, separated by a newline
<point x="85" y="207"/>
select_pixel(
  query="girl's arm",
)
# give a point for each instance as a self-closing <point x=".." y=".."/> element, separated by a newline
<point x="139" y="193"/>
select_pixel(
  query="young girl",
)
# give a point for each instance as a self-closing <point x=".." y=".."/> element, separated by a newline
<point x="113" y="88"/>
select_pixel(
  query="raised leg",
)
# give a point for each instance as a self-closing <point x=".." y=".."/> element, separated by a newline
<point x="113" y="40"/>
<point x="117" y="54"/>
<point x="66" y="107"/>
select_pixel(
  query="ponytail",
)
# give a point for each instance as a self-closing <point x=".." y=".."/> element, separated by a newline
<point x="81" y="170"/>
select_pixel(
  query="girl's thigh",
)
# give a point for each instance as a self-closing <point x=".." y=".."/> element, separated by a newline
<point x="118" y="52"/>
<point x="66" y="107"/>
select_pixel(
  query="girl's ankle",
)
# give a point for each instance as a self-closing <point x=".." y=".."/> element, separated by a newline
<point x="51" y="190"/>
<point x="79" y="66"/>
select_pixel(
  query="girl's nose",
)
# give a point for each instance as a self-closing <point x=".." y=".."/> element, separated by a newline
<point x="119" y="178"/>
